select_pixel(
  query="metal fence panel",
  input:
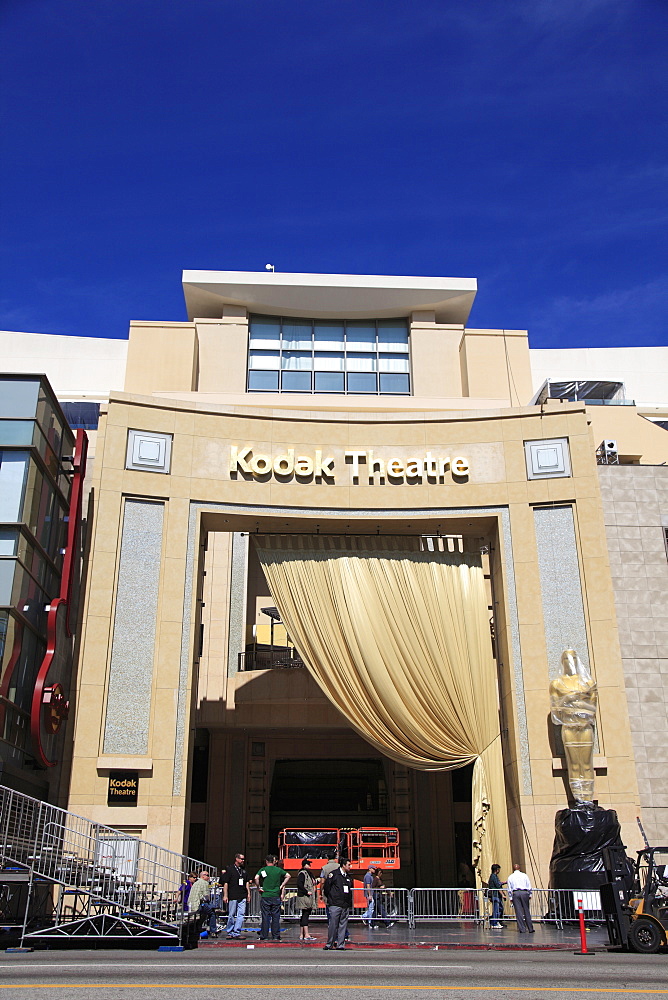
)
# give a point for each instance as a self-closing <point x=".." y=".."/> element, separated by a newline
<point x="448" y="904"/>
<point x="390" y="906"/>
<point x="547" y="905"/>
<point x="412" y="906"/>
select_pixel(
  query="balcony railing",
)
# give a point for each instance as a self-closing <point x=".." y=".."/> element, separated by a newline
<point x="270" y="659"/>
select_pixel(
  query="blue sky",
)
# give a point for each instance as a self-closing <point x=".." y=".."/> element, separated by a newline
<point x="520" y="142"/>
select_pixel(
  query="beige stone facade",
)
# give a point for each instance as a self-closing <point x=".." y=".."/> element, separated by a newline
<point x="635" y="502"/>
<point x="175" y="594"/>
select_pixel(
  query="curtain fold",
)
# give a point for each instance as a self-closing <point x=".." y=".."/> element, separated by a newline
<point x="398" y="639"/>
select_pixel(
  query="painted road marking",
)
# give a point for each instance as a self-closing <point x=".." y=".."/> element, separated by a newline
<point x="318" y="986"/>
<point x="220" y="965"/>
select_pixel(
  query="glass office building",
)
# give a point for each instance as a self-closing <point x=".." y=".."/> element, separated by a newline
<point x="37" y="473"/>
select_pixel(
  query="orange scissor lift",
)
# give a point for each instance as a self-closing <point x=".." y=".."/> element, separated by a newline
<point x="364" y="845"/>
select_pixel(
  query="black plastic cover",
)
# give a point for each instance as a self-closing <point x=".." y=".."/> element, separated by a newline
<point x="581" y="836"/>
<point x="312" y="837"/>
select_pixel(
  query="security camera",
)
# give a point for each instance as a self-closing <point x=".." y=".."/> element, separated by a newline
<point x="269" y="267"/>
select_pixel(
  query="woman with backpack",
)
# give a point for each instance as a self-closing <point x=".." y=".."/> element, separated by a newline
<point x="305" y="901"/>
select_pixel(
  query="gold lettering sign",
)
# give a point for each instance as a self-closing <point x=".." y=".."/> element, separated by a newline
<point x="363" y="466"/>
<point x="123" y="788"/>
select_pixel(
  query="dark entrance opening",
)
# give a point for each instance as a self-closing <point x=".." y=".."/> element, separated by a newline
<point x="461" y="801"/>
<point x="324" y="793"/>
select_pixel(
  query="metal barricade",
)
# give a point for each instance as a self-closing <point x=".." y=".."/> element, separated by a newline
<point x="555" y="906"/>
<point x="548" y="906"/>
<point x="413" y="906"/>
<point x="559" y="906"/>
<point x="289" y="910"/>
<point x="390" y="906"/>
<point x="448" y="904"/>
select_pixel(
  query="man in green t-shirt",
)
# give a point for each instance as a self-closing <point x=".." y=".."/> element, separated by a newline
<point x="271" y="880"/>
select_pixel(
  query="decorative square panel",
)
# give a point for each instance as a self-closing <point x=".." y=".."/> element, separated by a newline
<point x="149" y="451"/>
<point x="548" y="459"/>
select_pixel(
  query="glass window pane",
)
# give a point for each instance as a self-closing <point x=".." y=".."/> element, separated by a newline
<point x="13" y="466"/>
<point x="328" y="361"/>
<point x="43" y="513"/>
<point x="265" y="331"/>
<point x="361" y="362"/>
<point x="8" y="627"/>
<point x="393" y="363"/>
<point x="18" y="398"/>
<point x="394" y="384"/>
<point x="392" y="336"/>
<point x="360" y="335"/>
<point x="328" y="335"/>
<point x="301" y="361"/>
<point x="263" y="381"/>
<point x="329" y="382"/>
<point x="50" y="459"/>
<point x="23" y="677"/>
<point x="40" y="569"/>
<point x="52" y="424"/>
<point x="297" y="334"/>
<point x="7" y="569"/>
<point x="361" y="383"/>
<point x="16" y="432"/>
<point x="9" y="538"/>
<point x="23" y="590"/>
<point x="265" y="343"/>
<point x="296" y="381"/>
<point x="266" y="360"/>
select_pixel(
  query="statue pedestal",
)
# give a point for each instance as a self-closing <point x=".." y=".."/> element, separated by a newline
<point x="580" y="836"/>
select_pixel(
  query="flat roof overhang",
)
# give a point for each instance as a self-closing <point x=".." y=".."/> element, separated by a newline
<point x="374" y="523"/>
<point x="333" y="296"/>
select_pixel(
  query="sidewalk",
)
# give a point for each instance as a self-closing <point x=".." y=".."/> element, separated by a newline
<point x="451" y="934"/>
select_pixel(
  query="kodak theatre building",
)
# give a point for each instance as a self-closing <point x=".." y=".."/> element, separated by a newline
<point x="336" y="547"/>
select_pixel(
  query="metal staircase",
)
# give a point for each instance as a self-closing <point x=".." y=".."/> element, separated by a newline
<point x="63" y="877"/>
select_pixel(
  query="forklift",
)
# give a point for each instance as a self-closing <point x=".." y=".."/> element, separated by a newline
<point x="635" y="899"/>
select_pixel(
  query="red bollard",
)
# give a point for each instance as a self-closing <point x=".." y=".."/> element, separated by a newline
<point x="583" y="933"/>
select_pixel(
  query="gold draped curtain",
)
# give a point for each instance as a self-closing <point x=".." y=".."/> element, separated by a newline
<point x="398" y="639"/>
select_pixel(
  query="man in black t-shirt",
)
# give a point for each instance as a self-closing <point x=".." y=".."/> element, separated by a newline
<point x="338" y="891"/>
<point x="236" y="893"/>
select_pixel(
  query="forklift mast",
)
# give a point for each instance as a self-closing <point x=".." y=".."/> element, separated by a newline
<point x="616" y="893"/>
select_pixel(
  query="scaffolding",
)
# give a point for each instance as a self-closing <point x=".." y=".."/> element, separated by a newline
<point x="63" y="876"/>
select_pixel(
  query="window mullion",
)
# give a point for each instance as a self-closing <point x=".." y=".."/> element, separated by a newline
<point x="345" y="358"/>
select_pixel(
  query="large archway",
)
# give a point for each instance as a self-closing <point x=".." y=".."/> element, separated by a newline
<point x="277" y="715"/>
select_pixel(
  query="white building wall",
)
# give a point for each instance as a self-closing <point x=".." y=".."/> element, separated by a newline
<point x="77" y="367"/>
<point x="643" y="370"/>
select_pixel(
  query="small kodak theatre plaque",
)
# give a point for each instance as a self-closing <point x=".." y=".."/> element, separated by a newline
<point x="123" y="788"/>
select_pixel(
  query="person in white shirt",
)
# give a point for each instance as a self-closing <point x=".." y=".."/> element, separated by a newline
<point x="519" y="892"/>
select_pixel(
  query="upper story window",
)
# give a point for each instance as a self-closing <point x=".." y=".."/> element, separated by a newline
<point x="320" y="356"/>
<point x="82" y="414"/>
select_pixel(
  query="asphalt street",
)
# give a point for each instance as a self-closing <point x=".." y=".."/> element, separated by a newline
<point x="297" y="973"/>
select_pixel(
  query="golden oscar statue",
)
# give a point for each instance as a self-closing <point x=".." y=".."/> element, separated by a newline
<point x="573" y="699"/>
